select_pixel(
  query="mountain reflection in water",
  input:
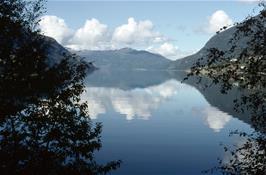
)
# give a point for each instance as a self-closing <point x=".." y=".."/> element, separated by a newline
<point x="140" y="103"/>
<point x="158" y="125"/>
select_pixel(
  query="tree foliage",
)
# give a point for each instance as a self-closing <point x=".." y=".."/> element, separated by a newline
<point x="44" y="125"/>
<point x="242" y="66"/>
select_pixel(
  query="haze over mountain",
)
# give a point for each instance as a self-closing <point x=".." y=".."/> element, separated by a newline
<point x="126" y="59"/>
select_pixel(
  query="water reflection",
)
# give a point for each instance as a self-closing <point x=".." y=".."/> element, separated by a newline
<point x="135" y="103"/>
<point x="213" y="117"/>
<point x="246" y="155"/>
<point x="163" y="120"/>
<point x="140" y="101"/>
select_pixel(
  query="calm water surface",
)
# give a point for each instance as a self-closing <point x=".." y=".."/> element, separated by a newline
<point x="157" y="125"/>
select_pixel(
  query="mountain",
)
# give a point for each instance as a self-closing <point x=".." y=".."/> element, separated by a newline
<point x="126" y="59"/>
<point x="56" y="53"/>
<point x="220" y="41"/>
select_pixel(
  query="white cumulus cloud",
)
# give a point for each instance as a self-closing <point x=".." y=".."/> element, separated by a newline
<point x="167" y="50"/>
<point x="134" y="32"/>
<point x="56" y="28"/>
<point x="93" y="35"/>
<point x="218" y="20"/>
<point x="170" y="51"/>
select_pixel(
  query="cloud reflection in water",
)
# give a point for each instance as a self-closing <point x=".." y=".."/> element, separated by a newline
<point x="136" y="103"/>
<point x="213" y="117"/>
<point x="140" y="103"/>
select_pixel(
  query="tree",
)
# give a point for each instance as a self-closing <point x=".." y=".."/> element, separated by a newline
<point x="242" y="66"/>
<point x="44" y="125"/>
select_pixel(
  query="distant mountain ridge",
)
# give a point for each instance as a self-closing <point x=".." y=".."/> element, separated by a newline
<point x="125" y="59"/>
<point x="131" y="59"/>
<point x="220" y="41"/>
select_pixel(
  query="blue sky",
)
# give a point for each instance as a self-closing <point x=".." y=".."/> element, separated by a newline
<point x="181" y="27"/>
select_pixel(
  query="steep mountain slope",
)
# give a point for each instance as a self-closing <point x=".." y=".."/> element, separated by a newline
<point x="126" y="59"/>
<point x="56" y="53"/>
<point x="221" y="41"/>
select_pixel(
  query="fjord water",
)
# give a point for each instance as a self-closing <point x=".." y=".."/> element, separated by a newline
<point x="157" y="125"/>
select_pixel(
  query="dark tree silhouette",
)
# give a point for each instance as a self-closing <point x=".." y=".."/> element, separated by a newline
<point x="242" y="66"/>
<point x="44" y="125"/>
